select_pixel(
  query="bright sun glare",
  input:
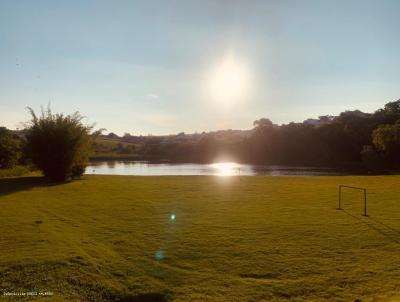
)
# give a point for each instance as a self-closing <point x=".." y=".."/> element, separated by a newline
<point x="226" y="168"/>
<point x="229" y="81"/>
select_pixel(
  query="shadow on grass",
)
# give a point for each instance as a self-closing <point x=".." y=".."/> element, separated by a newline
<point x="375" y="228"/>
<point x="12" y="185"/>
<point x="150" y="297"/>
<point x="385" y="225"/>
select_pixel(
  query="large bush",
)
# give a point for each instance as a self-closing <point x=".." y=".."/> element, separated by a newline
<point x="10" y="148"/>
<point x="59" y="144"/>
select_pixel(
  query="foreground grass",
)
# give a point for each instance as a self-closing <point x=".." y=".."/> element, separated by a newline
<point x="111" y="238"/>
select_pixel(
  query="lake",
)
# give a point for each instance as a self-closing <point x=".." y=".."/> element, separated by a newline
<point x="116" y="167"/>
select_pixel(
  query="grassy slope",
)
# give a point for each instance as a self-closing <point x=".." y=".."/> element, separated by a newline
<point x="106" y="150"/>
<point x="253" y="239"/>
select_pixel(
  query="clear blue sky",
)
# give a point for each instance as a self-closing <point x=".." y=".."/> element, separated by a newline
<point x="139" y="66"/>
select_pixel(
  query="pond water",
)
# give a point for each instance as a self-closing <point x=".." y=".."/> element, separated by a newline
<point x="221" y="169"/>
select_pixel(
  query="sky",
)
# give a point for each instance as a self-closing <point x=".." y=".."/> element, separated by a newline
<point x="154" y="67"/>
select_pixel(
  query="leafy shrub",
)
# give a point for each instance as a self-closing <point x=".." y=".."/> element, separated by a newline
<point x="10" y="149"/>
<point x="77" y="170"/>
<point x="59" y="144"/>
<point x="15" y="171"/>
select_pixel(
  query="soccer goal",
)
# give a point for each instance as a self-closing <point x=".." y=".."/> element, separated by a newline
<point x="343" y="187"/>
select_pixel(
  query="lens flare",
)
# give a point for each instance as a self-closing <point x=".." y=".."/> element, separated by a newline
<point x="159" y="255"/>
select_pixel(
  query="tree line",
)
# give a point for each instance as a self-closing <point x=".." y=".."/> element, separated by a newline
<point x="60" y="145"/>
<point x="353" y="139"/>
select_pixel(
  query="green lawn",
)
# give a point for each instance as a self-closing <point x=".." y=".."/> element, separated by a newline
<point x="111" y="238"/>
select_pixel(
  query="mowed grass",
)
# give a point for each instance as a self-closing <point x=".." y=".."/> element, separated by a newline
<point x="111" y="238"/>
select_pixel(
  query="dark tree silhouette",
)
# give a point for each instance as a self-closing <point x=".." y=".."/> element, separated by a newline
<point x="59" y="144"/>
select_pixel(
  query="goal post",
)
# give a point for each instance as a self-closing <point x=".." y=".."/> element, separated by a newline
<point x="364" y="190"/>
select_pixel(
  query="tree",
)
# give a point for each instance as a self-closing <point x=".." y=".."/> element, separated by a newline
<point x="371" y="159"/>
<point x="59" y="144"/>
<point x="262" y="142"/>
<point x="10" y="149"/>
<point x="112" y="135"/>
<point x="392" y="107"/>
<point x="386" y="139"/>
<point x="263" y="123"/>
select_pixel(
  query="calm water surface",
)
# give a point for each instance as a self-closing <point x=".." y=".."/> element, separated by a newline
<point x="221" y="169"/>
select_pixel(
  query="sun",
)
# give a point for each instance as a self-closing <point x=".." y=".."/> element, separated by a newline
<point x="228" y="81"/>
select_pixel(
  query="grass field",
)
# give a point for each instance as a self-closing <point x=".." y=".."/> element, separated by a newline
<point x="112" y="238"/>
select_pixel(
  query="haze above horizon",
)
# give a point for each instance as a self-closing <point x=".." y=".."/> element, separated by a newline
<point x="164" y="67"/>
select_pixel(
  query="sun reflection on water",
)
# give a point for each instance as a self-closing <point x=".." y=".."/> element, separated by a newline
<point x="226" y="168"/>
